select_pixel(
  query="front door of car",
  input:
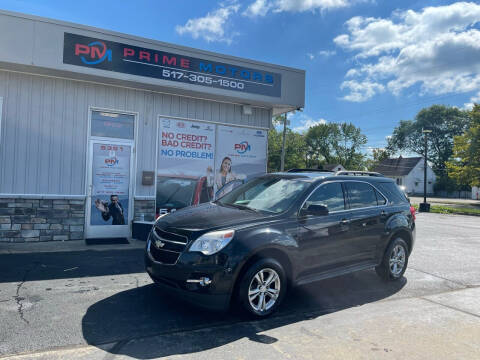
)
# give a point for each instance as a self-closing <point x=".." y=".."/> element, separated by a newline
<point x="322" y="238"/>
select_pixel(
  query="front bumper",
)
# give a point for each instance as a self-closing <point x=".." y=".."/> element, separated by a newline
<point x="192" y="266"/>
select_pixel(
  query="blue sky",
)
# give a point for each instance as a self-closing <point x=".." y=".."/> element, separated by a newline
<point x="372" y="63"/>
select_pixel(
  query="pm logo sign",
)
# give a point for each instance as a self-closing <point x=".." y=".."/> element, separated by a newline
<point x="242" y="147"/>
<point x="94" y="53"/>
<point x="112" y="161"/>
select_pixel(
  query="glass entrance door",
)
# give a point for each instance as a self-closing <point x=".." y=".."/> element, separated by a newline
<point x="109" y="201"/>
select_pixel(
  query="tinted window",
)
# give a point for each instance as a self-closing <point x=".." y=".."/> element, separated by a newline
<point x="361" y="195"/>
<point x="330" y="195"/>
<point x="392" y="192"/>
<point x="380" y="199"/>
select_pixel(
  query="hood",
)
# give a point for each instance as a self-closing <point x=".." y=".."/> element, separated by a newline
<point x="209" y="216"/>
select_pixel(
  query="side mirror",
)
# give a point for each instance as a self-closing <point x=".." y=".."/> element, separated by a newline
<point x="316" y="210"/>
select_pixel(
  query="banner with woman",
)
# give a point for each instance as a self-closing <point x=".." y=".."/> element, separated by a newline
<point x="240" y="155"/>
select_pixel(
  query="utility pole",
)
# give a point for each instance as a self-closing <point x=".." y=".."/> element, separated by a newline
<point x="425" y="207"/>
<point x="282" y="160"/>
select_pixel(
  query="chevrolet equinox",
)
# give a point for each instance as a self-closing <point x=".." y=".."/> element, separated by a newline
<point x="277" y="231"/>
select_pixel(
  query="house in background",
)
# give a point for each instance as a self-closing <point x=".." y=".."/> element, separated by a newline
<point x="333" y="167"/>
<point x="407" y="172"/>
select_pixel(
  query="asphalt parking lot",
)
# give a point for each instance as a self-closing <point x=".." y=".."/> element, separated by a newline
<point x="101" y="305"/>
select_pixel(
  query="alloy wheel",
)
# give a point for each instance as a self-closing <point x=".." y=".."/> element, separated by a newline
<point x="264" y="290"/>
<point x="397" y="260"/>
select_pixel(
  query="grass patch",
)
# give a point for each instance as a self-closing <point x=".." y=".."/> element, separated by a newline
<point x="440" y="209"/>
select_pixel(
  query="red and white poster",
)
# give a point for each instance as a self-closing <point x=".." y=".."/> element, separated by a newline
<point x="185" y="167"/>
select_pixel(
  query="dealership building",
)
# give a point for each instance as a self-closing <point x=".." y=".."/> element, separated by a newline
<point x="102" y="131"/>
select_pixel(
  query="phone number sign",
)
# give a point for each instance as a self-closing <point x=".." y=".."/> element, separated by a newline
<point x="112" y="56"/>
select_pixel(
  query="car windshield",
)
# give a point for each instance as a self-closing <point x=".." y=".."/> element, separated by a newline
<point x="174" y="192"/>
<point x="269" y="194"/>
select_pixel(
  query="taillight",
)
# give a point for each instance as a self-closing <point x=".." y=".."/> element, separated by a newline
<point x="412" y="211"/>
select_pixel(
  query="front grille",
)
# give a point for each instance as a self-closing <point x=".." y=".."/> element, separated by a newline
<point x="165" y="235"/>
<point x="166" y="247"/>
<point x="164" y="256"/>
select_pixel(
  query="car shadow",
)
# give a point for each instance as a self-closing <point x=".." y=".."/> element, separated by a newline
<point x="129" y="322"/>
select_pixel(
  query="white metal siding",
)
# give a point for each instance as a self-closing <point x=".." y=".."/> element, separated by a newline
<point x="43" y="140"/>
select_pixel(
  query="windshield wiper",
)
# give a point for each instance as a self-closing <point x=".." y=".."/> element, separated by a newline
<point x="244" y="207"/>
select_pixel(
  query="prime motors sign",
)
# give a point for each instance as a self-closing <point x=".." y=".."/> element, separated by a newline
<point x="112" y="56"/>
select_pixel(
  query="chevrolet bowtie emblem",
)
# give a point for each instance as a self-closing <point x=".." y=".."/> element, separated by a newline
<point x="159" y="244"/>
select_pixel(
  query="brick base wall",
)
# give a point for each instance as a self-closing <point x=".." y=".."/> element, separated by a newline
<point x="145" y="208"/>
<point x="23" y="220"/>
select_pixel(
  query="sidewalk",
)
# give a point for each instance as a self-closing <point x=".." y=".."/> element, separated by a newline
<point x="61" y="246"/>
<point x="449" y="201"/>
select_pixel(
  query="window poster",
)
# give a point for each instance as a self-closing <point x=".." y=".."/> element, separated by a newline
<point x="241" y="155"/>
<point x="111" y="177"/>
<point x="185" y="168"/>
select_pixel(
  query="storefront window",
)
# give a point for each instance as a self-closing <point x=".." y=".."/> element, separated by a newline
<point x="1" y="112"/>
<point x="200" y="162"/>
<point x="113" y="125"/>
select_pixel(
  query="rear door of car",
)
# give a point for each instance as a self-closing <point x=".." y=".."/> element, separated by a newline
<point x="368" y="212"/>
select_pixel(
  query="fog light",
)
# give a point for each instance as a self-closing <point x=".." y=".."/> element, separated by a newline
<point x="203" y="281"/>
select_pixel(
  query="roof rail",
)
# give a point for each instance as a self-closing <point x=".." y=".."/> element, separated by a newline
<point x="307" y="170"/>
<point x="358" y="173"/>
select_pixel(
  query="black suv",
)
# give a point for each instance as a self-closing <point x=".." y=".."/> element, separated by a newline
<point x="280" y="230"/>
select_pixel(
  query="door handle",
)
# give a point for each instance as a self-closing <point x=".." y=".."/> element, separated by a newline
<point x="344" y="222"/>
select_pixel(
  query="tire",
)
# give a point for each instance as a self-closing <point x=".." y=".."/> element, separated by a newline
<point x="251" y="282"/>
<point x="397" y="253"/>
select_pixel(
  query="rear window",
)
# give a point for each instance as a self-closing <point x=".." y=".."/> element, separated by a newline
<point x="392" y="192"/>
<point x="360" y="195"/>
<point x="380" y="198"/>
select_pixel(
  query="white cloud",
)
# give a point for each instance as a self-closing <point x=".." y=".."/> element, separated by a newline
<point x="304" y="122"/>
<point x="327" y="53"/>
<point x="263" y="7"/>
<point x="258" y="8"/>
<point x="321" y="54"/>
<point x="473" y="100"/>
<point x="361" y="91"/>
<point x="212" y="26"/>
<point x="437" y="48"/>
<point x="309" y="5"/>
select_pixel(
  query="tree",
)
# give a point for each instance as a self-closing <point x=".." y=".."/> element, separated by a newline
<point x="335" y="143"/>
<point x="378" y="155"/>
<point x="320" y="141"/>
<point x="348" y="148"/>
<point x="445" y="123"/>
<point x="294" y="150"/>
<point x="464" y="167"/>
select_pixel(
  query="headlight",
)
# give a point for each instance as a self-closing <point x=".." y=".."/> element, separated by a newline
<point x="212" y="242"/>
<point x="160" y="216"/>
